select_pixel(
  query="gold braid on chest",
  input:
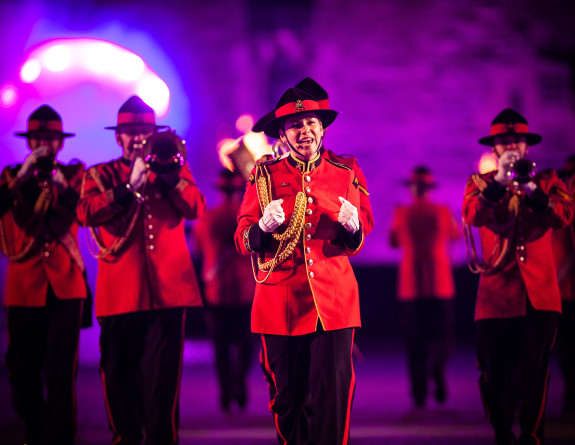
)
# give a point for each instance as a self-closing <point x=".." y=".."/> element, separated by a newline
<point x="290" y="237"/>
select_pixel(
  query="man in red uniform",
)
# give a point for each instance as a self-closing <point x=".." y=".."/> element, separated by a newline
<point x="424" y="229"/>
<point x="145" y="278"/>
<point x="46" y="288"/>
<point x="228" y="290"/>
<point x="300" y="218"/>
<point x="564" y="251"/>
<point x="518" y="300"/>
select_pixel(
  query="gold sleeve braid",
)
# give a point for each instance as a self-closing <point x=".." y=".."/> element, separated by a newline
<point x="288" y="239"/>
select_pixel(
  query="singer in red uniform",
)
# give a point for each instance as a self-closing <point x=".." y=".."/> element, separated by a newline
<point x="313" y="88"/>
<point x="299" y="219"/>
<point x="46" y="287"/>
<point x="145" y="278"/>
<point x="518" y="300"/>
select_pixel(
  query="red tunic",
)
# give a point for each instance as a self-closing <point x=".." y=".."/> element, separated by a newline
<point x="564" y="250"/>
<point x="317" y="281"/>
<point x="227" y="275"/>
<point x="366" y="214"/>
<point x="528" y="271"/>
<point x="424" y="230"/>
<point x="153" y="269"/>
<point x="54" y="257"/>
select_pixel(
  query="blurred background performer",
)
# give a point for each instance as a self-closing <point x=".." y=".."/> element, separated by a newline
<point x="145" y="275"/>
<point x="423" y="230"/>
<point x="46" y="287"/>
<point x="300" y="217"/>
<point x="518" y="301"/>
<point x="228" y="290"/>
<point x="564" y="251"/>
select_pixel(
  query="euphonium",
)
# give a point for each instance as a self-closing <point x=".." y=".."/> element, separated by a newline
<point x="164" y="152"/>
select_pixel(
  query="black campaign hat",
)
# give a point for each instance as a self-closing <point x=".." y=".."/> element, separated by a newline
<point x="293" y="102"/>
<point x="510" y="122"/>
<point x="135" y="112"/>
<point x="310" y="86"/>
<point x="44" y="120"/>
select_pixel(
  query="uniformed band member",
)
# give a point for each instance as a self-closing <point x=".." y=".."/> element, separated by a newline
<point x="313" y="88"/>
<point x="300" y="218"/>
<point x="228" y="290"/>
<point x="145" y="279"/>
<point x="46" y="288"/>
<point x="424" y="229"/>
<point x="564" y="251"/>
<point x="518" y="300"/>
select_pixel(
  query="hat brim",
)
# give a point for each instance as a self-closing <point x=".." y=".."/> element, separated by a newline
<point x="530" y="138"/>
<point x="28" y="133"/>
<point x="272" y="128"/>
<point x="158" y="127"/>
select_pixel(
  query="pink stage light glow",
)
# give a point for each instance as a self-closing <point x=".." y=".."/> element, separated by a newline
<point x="8" y="95"/>
<point x="62" y="64"/>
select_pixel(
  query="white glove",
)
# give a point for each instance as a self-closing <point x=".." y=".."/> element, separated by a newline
<point x="348" y="216"/>
<point x="527" y="188"/>
<point x="505" y="160"/>
<point x="273" y="217"/>
<point x="60" y="180"/>
<point x="139" y="173"/>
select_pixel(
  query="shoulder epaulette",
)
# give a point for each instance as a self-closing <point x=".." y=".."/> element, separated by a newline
<point x="269" y="161"/>
<point x="337" y="164"/>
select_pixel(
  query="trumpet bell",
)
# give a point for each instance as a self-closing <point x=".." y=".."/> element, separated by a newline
<point x="522" y="171"/>
<point x="164" y="152"/>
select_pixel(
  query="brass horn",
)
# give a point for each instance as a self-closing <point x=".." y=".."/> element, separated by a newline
<point x="164" y="152"/>
<point x="522" y="171"/>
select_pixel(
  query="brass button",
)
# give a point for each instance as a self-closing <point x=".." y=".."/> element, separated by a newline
<point x="46" y="254"/>
<point x="308" y="225"/>
<point x="307" y="249"/>
<point x="150" y="227"/>
<point x="309" y="262"/>
<point x="307" y="190"/>
<point x="520" y="247"/>
<point x="149" y="216"/>
<point x="309" y="211"/>
<point x="310" y="199"/>
<point x="151" y="236"/>
<point x="307" y="178"/>
<point x="311" y="274"/>
<point x="308" y="237"/>
<point x="150" y="247"/>
<point x="522" y="259"/>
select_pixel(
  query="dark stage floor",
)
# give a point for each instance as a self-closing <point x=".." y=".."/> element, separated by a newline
<point x="382" y="412"/>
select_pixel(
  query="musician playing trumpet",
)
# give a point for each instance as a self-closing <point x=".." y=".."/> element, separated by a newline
<point x="46" y="288"/>
<point x="299" y="220"/>
<point x="145" y="278"/>
<point x="518" y="301"/>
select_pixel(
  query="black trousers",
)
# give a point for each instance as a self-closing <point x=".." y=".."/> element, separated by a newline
<point x="43" y="353"/>
<point x="427" y="328"/>
<point x="141" y="366"/>
<point x="314" y="384"/>
<point x="513" y="357"/>
<point x="229" y="327"/>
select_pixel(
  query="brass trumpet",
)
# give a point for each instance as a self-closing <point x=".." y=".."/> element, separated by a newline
<point x="45" y="168"/>
<point x="522" y="171"/>
<point x="164" y="152"/>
